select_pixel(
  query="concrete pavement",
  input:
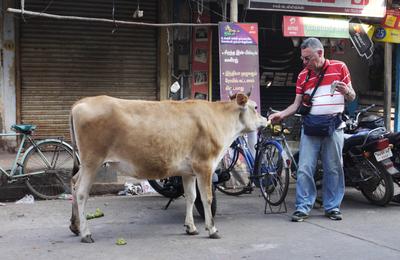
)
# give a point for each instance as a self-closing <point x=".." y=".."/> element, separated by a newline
<point x="107" y="182"/>
<point x="40" y="231"/>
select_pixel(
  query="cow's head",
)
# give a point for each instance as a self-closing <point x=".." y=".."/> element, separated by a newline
<point x="249" y="116"/>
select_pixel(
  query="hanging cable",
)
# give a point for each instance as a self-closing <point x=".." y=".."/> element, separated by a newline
<point x="90" y="19"/>
<point x="113" y="17"/>
<point x="168" y="43"/>
<point x="200" y="9"/>
<point x="22" y="10"/>
<point x="224" y="17"/>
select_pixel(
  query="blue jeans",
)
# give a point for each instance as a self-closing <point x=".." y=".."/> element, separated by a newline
<point x="330" y="150"/>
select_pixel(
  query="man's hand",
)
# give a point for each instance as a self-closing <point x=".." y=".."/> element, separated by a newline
<point x="275" y="117"/>
<point x="342" y="88"/>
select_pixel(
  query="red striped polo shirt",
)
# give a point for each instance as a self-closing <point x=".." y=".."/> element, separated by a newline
<point x="323" y="102"/>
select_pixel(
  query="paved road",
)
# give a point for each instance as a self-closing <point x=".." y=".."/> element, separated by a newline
<point x="40" y="231"/>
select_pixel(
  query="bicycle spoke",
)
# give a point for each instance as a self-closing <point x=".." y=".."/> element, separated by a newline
<point x="234" y="164"/>
<point x="56" y="161"/>
<point x="274" y="177"/>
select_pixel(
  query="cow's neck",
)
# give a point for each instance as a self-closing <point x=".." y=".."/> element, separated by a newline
<point x="230" y="116"/>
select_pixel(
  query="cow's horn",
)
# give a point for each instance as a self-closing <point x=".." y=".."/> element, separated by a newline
<point x="249" y="93"/>
<point x="231" y="95"/>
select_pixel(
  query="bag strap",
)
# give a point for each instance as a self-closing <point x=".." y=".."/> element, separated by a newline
<point x="320" y="77"/>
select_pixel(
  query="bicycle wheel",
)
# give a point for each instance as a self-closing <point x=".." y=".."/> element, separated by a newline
<point x="235" y="165"/>
<point x="49" y="168"/>
<point x="273" y="174"/>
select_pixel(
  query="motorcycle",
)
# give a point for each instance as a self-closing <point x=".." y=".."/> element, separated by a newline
<point x="172" y="188"/>
<point x="366" y="162"/>
<point x="364" y="121"/>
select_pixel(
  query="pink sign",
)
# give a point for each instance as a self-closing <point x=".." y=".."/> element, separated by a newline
<point x="365" y="8"/>
<point x="238" y="57"/>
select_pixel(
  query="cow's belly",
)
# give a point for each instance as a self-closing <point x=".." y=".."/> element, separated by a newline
<point x="147" y="170"/>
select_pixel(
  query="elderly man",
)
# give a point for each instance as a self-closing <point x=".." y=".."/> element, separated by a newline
<point x="332" y="84"/>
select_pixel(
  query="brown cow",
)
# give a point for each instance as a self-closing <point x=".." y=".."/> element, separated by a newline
<point x="155" y="140"/>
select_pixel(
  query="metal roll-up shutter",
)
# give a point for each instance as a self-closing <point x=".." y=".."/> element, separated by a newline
<point x="62" y="61"/>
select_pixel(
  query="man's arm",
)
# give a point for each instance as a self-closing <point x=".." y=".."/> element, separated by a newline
<point x="346" y="90"/>
<point x="350" y="95"/>
<point x="290" y="110"/>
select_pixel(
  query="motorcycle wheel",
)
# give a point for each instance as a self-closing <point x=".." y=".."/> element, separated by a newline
<point x="199" y="204"/>
<point x="379" y="190"/>
<point x="171" y="187"/>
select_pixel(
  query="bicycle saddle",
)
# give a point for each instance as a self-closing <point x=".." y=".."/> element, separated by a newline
<point x="23" y="128"/>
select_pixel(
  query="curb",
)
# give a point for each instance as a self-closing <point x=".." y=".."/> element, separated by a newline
<point x="14" y="192"/>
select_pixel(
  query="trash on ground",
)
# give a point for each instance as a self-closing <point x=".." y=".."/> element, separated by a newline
<point x="27" y="199"/>
<point x="97" y="214"/>
<point x="131" y="189"/>
<point x="146" y="187"/>
<point x="65" y="196"/>
<point x="2" y="204"/>
<point x="120" y="242"/>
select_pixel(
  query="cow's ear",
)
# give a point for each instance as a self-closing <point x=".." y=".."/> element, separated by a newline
<point x="241" y="99"/>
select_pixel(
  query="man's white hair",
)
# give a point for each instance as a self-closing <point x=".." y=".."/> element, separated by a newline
<point x="312" y="43"/>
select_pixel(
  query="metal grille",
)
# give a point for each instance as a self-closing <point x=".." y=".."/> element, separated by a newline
<point x="62" y="61"/>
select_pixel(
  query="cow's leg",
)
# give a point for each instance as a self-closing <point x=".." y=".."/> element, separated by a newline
<point x="204" y="182"/>
<point x="83" y="185"/>
<point x="189" y="185"/>
<point x="74" y="227"/>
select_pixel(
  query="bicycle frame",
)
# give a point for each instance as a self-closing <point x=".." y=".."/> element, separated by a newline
<point x="16" y="163"/>
<point x="286" y="151"/>
<point x="250" y="160"/>
<point x="241" y="141"/>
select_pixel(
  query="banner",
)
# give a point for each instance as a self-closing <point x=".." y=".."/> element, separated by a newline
<point x="296" y="26"/>
<point x="389" y="29"/>
<point x="360" y="39"/>
<point x="238" y="57"/>
<point x="392" y="19"/>
<point x="383" y="34"/>
<point x="364" y="8"/>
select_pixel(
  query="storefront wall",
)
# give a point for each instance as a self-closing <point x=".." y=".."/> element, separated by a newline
<point x="61" y="61"/>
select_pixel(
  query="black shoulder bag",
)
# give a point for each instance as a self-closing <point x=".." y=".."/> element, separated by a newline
<point x="306" y="103"/>
<point x="319" y="125"/>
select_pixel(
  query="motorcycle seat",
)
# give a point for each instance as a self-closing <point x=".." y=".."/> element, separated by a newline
<point x="358" y="139"/>
<point x="394" y="138"/>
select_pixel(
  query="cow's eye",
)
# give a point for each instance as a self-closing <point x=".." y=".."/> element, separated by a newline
<point x="255" y="107"/>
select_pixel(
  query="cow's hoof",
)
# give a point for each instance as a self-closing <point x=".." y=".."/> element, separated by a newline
<point x="192" y="233"/>
<point x="215" y="235"/>
<point x="87" y="239"/>
<point x="74" y="229"/>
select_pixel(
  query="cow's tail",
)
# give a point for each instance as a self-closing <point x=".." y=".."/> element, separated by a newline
<point x="75" y="169"/>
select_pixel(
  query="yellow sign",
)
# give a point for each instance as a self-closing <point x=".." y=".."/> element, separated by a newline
<point x="383" y="34"/>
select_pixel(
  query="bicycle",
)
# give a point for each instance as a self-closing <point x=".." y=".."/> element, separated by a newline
<point x="45" y="165"/>
<point x="268" y="170"/>
<point x="279" y="133"/>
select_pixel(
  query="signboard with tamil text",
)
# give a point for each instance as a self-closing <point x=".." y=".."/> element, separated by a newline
<point x="238" y="57"/>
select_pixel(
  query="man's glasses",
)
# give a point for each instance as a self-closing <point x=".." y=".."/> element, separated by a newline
<point x="306" y="59"/>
